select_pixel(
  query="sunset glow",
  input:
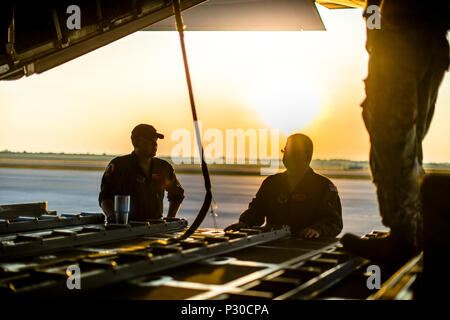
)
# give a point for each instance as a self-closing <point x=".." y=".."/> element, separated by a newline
<point x="287" y="102"/>
<point x="308" y="82"/>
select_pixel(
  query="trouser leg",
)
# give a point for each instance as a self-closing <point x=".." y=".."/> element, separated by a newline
<point x="390" y="113"/>
<point x="405" y="72"/>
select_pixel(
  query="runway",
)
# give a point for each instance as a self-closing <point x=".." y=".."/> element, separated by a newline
<point x="73" y="191"/>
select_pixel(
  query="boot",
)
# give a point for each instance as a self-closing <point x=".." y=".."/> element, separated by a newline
<point x="392" y="250"/>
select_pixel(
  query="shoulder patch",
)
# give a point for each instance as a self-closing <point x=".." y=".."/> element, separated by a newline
<point x="109" y="169"/>
<point x="157" y="176"/>
<point x="332" y="187"/>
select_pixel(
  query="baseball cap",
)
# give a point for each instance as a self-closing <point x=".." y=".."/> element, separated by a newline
<point x="145" y="131"/>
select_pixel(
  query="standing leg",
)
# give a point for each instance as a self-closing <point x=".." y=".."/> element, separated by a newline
<point x="401" y="91"/>
<point x="391" y="114"/>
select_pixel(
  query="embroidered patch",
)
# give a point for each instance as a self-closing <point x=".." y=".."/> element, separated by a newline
<point x="109" y="169"/>
<point x="140" y="179"/>
<point x="333" y="188"/>
<point x="299" y="197"/>
<point x="282" y="198"/>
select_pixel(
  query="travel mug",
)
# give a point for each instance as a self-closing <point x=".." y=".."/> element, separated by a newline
<point x="121" y="208"/>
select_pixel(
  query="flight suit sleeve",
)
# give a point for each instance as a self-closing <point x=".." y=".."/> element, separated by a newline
<point x="330" y="224"/>
<point x="256" y="213"/>
<point x="175" y="192"/>
<point x="110" y="185"/>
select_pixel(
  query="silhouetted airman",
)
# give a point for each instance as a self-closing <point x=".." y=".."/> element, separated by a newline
<point x="142" y="176"/>
<point x="300" y="198"/>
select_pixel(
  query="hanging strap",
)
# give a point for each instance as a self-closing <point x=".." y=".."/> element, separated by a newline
<point x="208" y="197"/>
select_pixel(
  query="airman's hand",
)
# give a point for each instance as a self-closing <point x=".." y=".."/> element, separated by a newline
<point x="309" y="233"/>
<point x="111" y="219"/>
<point x="235" y="226"/>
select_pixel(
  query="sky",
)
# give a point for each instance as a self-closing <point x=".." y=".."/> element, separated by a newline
<point x="310" y="82"/>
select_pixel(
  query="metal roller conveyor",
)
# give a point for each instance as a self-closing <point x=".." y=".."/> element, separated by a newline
<point x="25" y="224"/>
<point x="40" y="242"/>
<point x="123" y="261"/>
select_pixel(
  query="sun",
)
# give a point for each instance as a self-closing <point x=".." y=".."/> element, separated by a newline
<point x="287" y="102"/>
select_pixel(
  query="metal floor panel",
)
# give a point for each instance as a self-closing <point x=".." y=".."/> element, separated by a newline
<point x="210" y="274"/>
<point x="255" y="264"/>
<point x="265" y="274"/>
<point x="267" y="254"/>
<point x="134" y="292"/>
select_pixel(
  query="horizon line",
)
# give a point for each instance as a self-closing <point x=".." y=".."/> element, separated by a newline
<point x="104" y="154"/>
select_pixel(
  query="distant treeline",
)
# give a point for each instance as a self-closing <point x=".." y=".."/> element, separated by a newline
<point x="338" y="164"/>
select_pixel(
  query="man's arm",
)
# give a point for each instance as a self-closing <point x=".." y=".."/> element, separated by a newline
<point x="175" y="194"/>
<point x="255" y="214"/>
<point x="110" y="186"/>
<point x="107" y="206"/>
<point x="330" y="224"/>
<point x="173" y="209"/>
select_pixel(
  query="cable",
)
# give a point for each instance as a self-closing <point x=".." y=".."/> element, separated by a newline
<point x="208" y="196"/>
